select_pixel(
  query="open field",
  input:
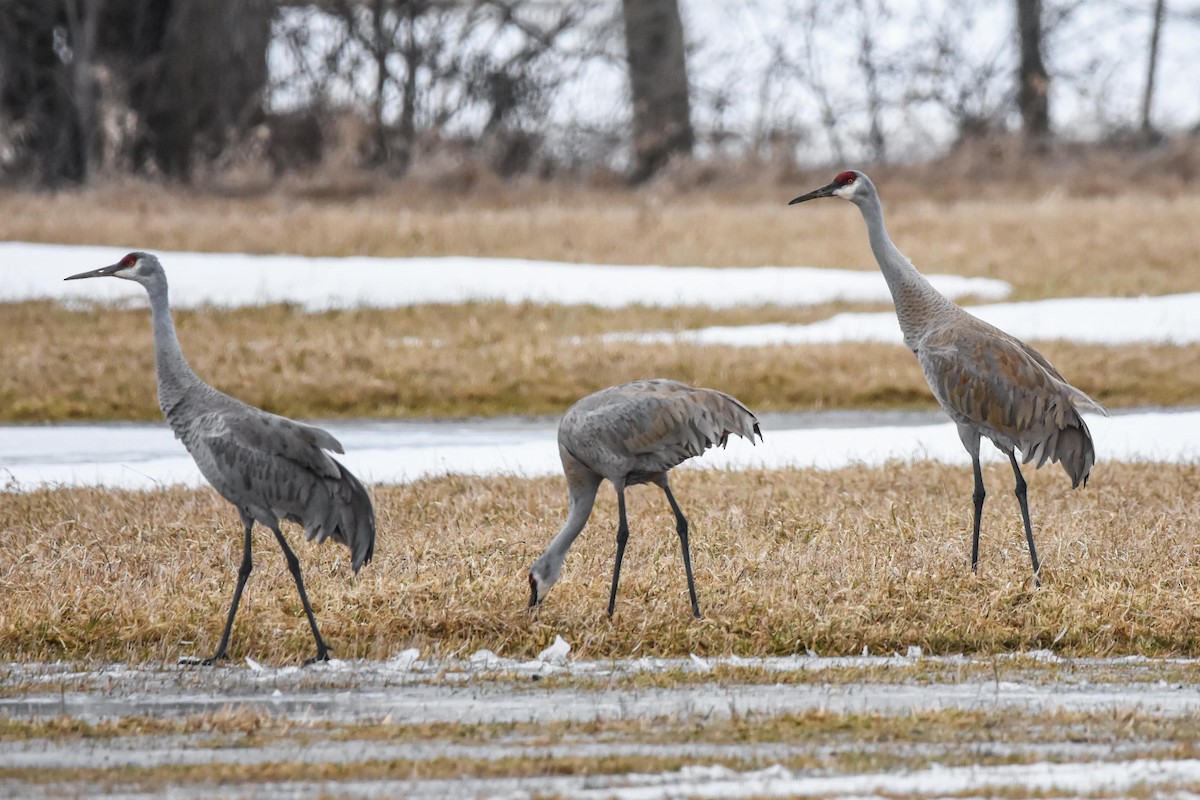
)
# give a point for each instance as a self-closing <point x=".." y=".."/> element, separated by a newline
<point x="786" y="561"/>
<point x="118" y="585"/>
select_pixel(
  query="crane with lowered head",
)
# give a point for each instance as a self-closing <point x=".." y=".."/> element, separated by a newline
<point x="634" y="433"/>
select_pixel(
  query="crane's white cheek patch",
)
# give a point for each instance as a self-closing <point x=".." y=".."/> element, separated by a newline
<point x="844" y="192"/>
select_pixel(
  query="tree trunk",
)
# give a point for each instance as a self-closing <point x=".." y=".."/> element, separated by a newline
<point x="658" y="81"/>
<point x="1033" y="84"/>
<point x="1151" y="67"/>
<point x="202" y="87"/>
<point x="46" y="93"/>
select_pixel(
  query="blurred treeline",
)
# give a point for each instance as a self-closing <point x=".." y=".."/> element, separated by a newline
<point x="183" y="90"/>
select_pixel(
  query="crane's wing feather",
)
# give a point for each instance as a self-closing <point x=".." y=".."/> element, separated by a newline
<point x="272" y="435"/>
<point x="662" y="423"/>
<point x="986" y="378"/>
<point x="261" y="463"/>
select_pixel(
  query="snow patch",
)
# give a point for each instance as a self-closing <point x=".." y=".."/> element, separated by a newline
<point x="317" y="284"/>
<point x="1169" y="319"/>
<point x="144" y="456"/>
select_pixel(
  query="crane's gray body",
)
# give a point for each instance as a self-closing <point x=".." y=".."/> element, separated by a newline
<point x="630" y="434"/>
<point x="636" y="432"/>
<point x="273" y="468"/>
<point x="991" y="384"/>
<point x="270" y="467"/>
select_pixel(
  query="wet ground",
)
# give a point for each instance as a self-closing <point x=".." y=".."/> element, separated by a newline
<point x="486" y="726"/>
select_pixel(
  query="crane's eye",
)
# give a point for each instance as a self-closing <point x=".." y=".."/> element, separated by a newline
<point x="850" y="180"/>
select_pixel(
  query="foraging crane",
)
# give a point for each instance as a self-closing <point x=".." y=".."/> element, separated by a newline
<point x="989" y="383"/>
<point x="634" y="433"/>
<point x="268" y="466"/>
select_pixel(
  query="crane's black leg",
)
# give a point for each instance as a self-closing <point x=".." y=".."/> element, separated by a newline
<point x="1021" y="498"/>
<point x="294" y="567"/>
<point x="978" y="496"/>
<point x="243" y="573"/>
<point x="622" y="538"/>
<point x="681" y="527"/>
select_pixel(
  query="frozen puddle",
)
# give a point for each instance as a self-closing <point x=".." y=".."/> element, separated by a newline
<point x="487" y="688"/>
<point x="145" y="456"/>
<point x="317" y="284"/>
<point x="320" y="705"/>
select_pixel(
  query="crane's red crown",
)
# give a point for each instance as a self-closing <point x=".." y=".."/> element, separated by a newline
<point x="845" y="178"/>
<point x="129" y="260"/>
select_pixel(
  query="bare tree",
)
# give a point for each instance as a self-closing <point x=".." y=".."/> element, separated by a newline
<point x="1033" y="82"/>
<point x="202" y="84"/>
<point x="1151" y="66"/>
<point x="47" y="99"/>
<point x="658" y="81"/>
<point x="869" y="15"/>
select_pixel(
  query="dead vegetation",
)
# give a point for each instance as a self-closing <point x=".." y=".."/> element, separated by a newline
<point x="486" y="360"/>
<point x="785" y="562"/>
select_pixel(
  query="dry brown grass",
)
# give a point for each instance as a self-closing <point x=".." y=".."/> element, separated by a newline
<point x="785" y="561"/>
<point x="494" y="359"/>
<point x="1053" y="246"/>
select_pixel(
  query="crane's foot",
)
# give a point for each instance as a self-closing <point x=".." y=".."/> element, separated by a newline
<point x="322" y="654"/>
<point x="193" y="661"/>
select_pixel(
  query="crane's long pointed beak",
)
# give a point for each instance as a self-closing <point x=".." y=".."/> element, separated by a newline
<point x="96" y="273"/>
<point x="533" y="598"/>
<point x="824" y="191"/>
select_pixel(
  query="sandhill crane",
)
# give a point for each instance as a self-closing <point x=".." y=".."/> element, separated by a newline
<point x="268" y="466"/>
<point x="991" y="384"/>
<point x="634" y="433"/>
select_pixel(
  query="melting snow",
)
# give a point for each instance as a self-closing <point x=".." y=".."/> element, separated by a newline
<point x="234" y="279"/>
<point x="1170" y="319"/>
<point x="143" y="456"/>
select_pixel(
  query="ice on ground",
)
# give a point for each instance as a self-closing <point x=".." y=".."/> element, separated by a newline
<point x="487" y="688"/>
<point x="1169" y="319"/>
<point x="316" y="284"/>
<point x="146" y="456"/>
<point x="1075" y="778"/>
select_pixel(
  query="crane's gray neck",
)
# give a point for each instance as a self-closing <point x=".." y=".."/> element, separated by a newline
<point x="918" y="304"/>
<point x="175" y="376"/>
<point x="550" y="562"/>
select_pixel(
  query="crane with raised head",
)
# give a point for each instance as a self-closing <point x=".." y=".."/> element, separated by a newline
<point x="270" y="467"/>
<point x="990" y="384"/>
<point x="630" y="434"/>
